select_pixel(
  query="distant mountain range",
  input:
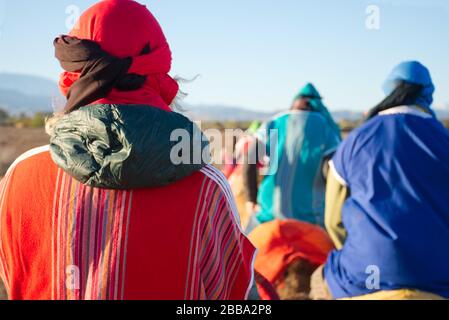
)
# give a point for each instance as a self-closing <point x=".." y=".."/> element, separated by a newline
<point x="28" y="85"/>
<point x="225" y="113"/>
<point x="31" y="94"/>
<point x="27" y="94"/>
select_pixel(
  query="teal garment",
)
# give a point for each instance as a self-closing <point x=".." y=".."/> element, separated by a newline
<point x="316" y="103"/>
<point x="126" y="146"/>
<point x="295" y="187"/>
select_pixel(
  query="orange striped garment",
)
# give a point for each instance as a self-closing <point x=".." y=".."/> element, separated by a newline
<point x="62" y="240"/>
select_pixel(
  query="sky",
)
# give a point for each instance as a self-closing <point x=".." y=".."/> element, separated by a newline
<point x="258" y="53"/>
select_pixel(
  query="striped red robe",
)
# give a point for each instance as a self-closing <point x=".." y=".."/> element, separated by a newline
<point x="62" y="240"/>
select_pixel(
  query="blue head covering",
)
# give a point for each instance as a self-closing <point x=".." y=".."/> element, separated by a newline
<point x="412" y="72"/>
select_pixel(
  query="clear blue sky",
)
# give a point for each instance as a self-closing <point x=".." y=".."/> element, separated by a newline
<point x="258" y="53"/>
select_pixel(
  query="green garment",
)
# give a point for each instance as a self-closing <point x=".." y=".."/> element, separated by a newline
<point x="126" y="147"/>
<point x="255" y="125"/>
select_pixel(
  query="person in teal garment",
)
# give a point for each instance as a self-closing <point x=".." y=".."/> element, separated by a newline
<point x="297" y="143"/>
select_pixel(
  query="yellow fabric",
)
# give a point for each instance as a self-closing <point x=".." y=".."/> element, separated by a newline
<point x="404" y="294"/>
<point x="336" y="195"/>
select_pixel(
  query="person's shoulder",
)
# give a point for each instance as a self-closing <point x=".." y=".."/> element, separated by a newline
<point x="284" y="115"/>
<point x="367" y="128"/>
<point x="31" y="157"/>
<point x="309" y="116"/>
<point x="281" y="118"/>
<point x="208" y="176"/>
<point x="216" y="177"/>
<point x="396" y="120"/>
<point x="370" y="137"/>
<point x="317" y="119"/>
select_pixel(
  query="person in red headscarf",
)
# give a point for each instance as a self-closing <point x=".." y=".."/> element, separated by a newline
<point x="123" y="34"/>
<point x="104" y="213"/>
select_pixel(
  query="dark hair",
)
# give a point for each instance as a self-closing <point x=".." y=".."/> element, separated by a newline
<point x="295" y="282"/>
<point x="405" y="94"/>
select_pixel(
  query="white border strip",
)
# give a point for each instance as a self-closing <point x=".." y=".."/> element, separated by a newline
<point x="27" y="155"/>
<point x="336" y="174"/>
<point x="252" y="282"/>
<point x="411" y="110"/>
<point x="218" y="177"/>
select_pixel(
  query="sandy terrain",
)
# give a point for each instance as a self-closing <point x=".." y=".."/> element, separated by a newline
<point x="14" y="142"/>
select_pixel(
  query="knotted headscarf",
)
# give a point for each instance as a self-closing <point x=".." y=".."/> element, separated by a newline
<point x="132" y="50"/>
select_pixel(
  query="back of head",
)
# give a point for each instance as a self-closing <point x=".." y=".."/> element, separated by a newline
<point x="289" y="252"/>
<point x="309" y="91"/>
<point x="309" y="98"/>
<point x="296" y="280"/>
<point x="116" y="63"/>
<point x="121" y="27"/>
<point x="412" y="72"/>
<point x="127" y="29"/>
<point x="409" y="83"/>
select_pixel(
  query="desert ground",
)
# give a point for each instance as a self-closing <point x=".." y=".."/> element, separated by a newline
<point x="15" y="141"/>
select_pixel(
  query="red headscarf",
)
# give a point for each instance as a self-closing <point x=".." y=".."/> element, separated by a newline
<point x="281" y="243"/>
<point x="123" y="28"/>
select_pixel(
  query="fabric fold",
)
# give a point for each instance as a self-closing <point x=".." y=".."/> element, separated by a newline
<point x="127" y="147"/>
